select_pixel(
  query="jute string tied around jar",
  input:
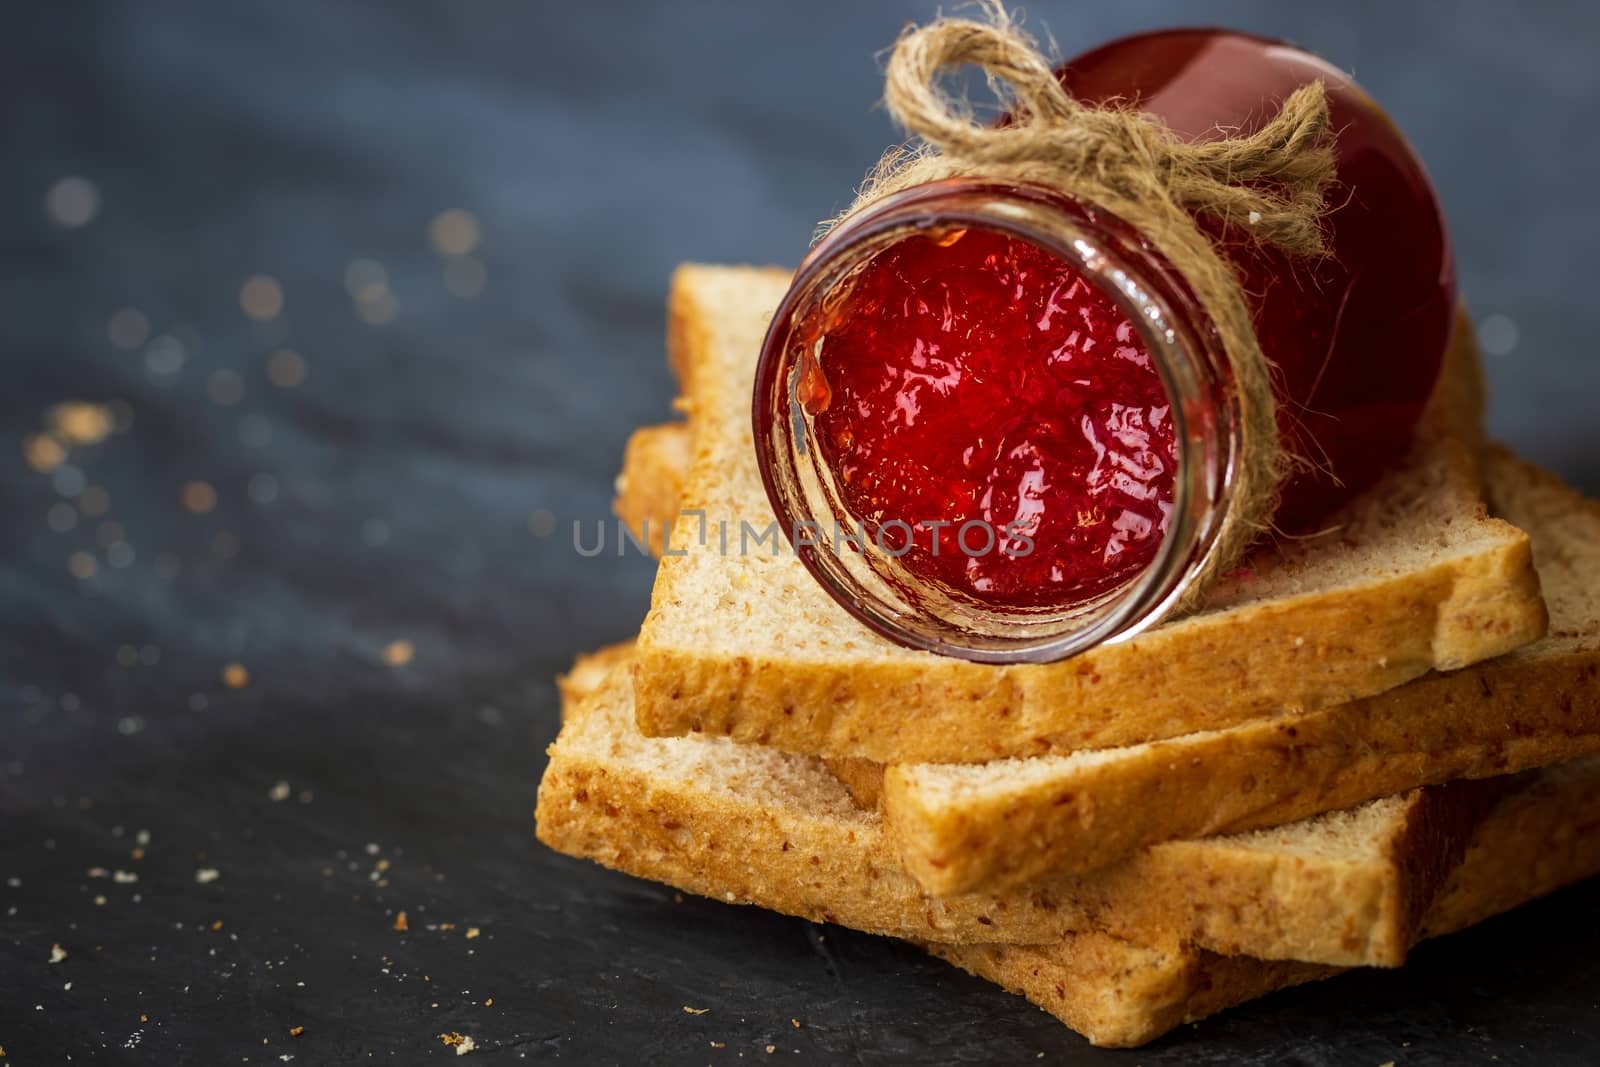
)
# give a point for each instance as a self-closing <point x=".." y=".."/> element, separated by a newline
<point x="1269" y="184"/>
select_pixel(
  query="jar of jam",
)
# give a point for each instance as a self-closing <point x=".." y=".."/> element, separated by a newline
<point x="996" y="422"/>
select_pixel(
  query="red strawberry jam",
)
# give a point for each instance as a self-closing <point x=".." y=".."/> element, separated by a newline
<point x="986" y="401"/>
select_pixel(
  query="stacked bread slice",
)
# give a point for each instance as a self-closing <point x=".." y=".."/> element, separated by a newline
<point x="1362" y="739"/>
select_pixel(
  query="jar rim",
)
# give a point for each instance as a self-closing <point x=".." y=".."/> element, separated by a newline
<point x="1185" y="350"/>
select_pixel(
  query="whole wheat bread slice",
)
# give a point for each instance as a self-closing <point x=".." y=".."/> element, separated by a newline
<point x="986" y="826"/>
<point x="1539" y="837"/>
<point x="748" y="646"/>
<point x="747" y="824"/>
<point x="650" y="487"/>
<point x="751" y="824"/>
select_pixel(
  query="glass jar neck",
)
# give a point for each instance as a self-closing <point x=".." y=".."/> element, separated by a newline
<point x="860" y="571"/>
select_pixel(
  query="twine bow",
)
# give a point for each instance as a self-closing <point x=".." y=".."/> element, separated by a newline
<point x="1275" y="177"/>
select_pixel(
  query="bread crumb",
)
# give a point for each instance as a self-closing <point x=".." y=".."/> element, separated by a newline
<point x="279" y="792"/>
<point x="57" y="953"/>
<point x="296" y="1031"/>
<point x="400" y="922"/>
<point x="234" y="676"/>
<point x="217" y="925"/>
<point x="472" y="932"/>
<point x="207" y="875"/>
<point x="44" y="454"/>
<point x="489" y="1003"/>
<point x="462" y="1043"/>
<point x="771" y="1049"/>
<point x="398" y="653"/>
<point x="694" y="1011"/>
<point x="124" y="877"/>
<point x="719" y="1044"/>
<point x="795" y="1023"/>
<point x="80" y="423"/>
<point x="199" y="497"/>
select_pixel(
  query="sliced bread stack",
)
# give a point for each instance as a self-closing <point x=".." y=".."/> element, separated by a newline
<point x="1362" y="739"/>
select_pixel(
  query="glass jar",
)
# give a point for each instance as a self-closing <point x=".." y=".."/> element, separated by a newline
<point x="865" y="480"/>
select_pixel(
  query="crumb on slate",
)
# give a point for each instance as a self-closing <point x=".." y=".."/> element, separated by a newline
<point x="207" y="875"/>
<point x="462" y="1043"/>
<point x="79" y="423"/>
<point x="401" y="924"/>
<point x="199" y="497"/>
<point x="694" y="1011"/>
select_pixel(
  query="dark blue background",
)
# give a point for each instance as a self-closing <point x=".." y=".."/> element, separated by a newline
<point x="597" y="145"/>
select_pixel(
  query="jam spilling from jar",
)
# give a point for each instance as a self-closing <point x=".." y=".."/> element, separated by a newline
<point x="993" y="419"/>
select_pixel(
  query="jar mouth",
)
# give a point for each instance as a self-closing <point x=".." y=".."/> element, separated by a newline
<point x="860" y="571"/>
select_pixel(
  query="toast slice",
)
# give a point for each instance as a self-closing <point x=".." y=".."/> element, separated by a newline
<point x="962" y="828"/>
<point x="747" y="823"/>
<point x="1539" y="837"/>
<point x="745" y="644"/>
<point x="650" y="487"/>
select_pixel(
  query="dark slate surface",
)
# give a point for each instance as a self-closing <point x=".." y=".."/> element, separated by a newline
<point x="596" y="146"/>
